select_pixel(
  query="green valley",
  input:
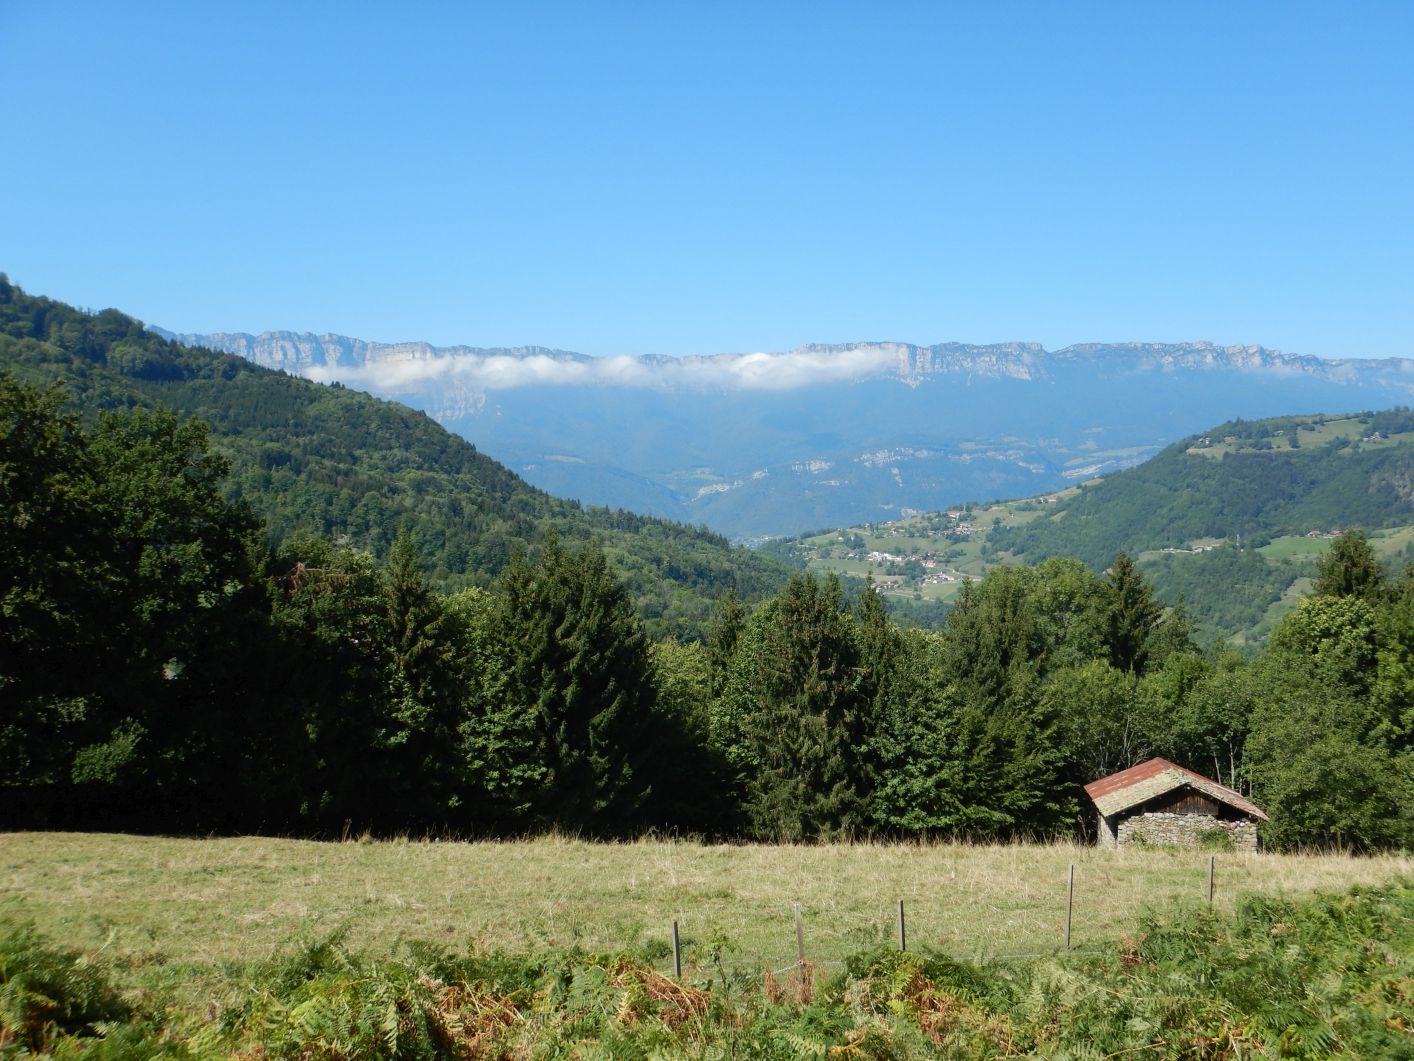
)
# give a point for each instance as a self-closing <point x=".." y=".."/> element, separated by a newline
<point x="1231" y="521"/>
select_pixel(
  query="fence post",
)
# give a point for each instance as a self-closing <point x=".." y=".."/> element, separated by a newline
<point x="677" y="953"/>
<point x="1212" y="860"/>
<point x="799" y="936"/>
<point x="902" y="933"/>
<point x="1069" y="902"/>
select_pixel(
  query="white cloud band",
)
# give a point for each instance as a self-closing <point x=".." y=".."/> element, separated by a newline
<point x="405" y="372"/>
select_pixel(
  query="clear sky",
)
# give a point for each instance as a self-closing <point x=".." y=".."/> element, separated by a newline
<point x="694" y="178"/>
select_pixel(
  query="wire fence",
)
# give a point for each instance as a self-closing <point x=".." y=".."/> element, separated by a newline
<point x="1064" y="942"/>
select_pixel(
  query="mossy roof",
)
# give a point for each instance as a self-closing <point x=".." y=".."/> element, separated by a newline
<point x="1139" y="784"/>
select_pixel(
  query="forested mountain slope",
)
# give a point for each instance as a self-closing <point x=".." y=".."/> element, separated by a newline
<point x="1255" y="480"/>
<point x="1231" y="521"/>
<point x="337" y="462"/>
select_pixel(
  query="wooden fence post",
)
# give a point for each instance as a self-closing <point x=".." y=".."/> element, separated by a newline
<point x="1212" y="861"/>
<point x="1069" y="902"/>
<point x="799" y="936"/>
<point x="902" y="932"/>
<point x="677" y="953"/>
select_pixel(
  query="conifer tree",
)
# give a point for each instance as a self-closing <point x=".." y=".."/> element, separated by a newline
<point x="1350" y="569"/>
<point x="424" y="690"/>
<point x="805" y="722"/>
<point x="722" y="638"/>
<point x="992" y="635"/>
<point x="1132" y="617"/>
<point x="1006" y="738"/>
<point x="883" y="679"/>
<point x="580" y="666"/>
<point x="880" y="642"/>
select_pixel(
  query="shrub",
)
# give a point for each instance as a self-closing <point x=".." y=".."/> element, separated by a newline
<point x="1216" y="840"/>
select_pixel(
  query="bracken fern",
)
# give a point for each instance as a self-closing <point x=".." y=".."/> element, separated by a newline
<point x="1329" y="976"/>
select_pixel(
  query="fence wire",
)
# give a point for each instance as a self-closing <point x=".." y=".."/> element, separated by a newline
<point x="806" y="932"/>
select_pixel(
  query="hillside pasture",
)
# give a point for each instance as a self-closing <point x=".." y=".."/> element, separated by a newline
<point x="195" y="911"/>
<point x="1310" y="432"/>
<point x="924" y="536"/>
<point x="1389" y="543"/>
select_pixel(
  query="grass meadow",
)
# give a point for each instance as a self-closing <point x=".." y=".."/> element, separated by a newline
<point x="194" y="911"/>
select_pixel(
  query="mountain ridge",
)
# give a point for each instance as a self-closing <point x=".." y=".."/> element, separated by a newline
<point x="762" y="445"/>
<point x="298" y="351"/>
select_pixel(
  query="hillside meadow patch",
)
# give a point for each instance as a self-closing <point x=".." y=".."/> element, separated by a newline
<point x="1297" y="974"/>
<point x="204" y="904"/>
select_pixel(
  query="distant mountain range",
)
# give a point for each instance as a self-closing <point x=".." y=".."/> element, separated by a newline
<point x="767" y="444"/>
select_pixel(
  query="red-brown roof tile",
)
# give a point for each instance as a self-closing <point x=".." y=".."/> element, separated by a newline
<point x="1147" y="780"/>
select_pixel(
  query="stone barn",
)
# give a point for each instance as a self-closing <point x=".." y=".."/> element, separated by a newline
<point x="1160" y="803"/>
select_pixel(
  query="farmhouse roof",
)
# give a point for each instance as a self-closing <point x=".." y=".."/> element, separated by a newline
<point x="1141" y="783"/>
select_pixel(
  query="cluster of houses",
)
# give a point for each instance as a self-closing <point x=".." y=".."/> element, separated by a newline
<point x="877" y="557"/>
<point x="961" y="528"/>
<point x="934" y="578"/>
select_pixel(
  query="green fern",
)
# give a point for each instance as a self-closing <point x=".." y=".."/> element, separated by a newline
<point x="1328" y="976"/>
<point x="47" y="992"/>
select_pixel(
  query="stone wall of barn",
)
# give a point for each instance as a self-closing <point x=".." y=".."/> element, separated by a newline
<point x="1105" y="832"/>
<point x="1183" y="830"/>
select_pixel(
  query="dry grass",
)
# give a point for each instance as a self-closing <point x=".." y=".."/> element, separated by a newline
<point x="204" y="903"/>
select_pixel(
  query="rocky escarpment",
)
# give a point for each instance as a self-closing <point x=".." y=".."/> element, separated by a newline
<point x="482" y="368"/>
<point x="297" y="352"/>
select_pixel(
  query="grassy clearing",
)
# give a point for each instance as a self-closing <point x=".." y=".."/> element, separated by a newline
<point x="1312" y="978"/>
<point x="1312" y="435"/>
<point x="1295" y="547"/>
<point x="192" y="908"/>
<point x="1387" y="543"/>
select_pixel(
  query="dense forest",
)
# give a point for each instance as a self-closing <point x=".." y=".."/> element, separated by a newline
<point x="310" y="459"/>
<point x="163" y="666"/>
<point x="1226" y="589"/>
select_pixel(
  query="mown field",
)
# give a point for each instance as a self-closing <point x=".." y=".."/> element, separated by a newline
<point x="200" y="904"/>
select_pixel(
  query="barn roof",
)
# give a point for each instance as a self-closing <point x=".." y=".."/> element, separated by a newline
<point x="1141" y="783"/>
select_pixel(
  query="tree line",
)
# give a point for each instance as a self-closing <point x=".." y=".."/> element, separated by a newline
<point x="163" y="667"/>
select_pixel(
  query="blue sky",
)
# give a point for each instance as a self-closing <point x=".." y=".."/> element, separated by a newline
<point x="674" y="178"/>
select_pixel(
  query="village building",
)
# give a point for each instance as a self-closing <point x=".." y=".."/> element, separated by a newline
<point x="1159" y="802"/>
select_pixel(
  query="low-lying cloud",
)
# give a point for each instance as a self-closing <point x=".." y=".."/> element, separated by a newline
<point x="402" y="372"/>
